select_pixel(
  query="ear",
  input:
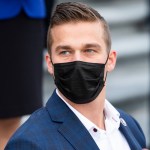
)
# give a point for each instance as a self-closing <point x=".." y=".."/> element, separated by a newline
<point x="111" y="60"/>
<point x="49" y="64"/>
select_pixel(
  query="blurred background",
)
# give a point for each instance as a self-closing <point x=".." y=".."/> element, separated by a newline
<point x="128" y="85"/>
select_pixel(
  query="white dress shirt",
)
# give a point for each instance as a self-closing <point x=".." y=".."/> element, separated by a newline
<point x="109" y="139"/>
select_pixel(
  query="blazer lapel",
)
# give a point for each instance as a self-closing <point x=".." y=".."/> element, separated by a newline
<point x="69" y="125"/>
<point x="73" y="130"/>
<point x="129" y="136"/>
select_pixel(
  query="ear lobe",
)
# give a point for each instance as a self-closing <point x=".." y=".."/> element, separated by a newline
<point x="111" y="60"/>
<point x="49" y="64"/>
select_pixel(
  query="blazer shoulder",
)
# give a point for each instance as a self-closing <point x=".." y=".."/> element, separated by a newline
<point x="34" y="122"/>
<point x="134" y="126"/>
<point x="30" y="133"/>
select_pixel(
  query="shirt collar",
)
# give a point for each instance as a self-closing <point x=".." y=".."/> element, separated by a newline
<point x="112" y="120"/>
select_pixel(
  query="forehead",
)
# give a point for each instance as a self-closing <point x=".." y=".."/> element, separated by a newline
<point x="70" y="27"/>
<point x="77" y="33"/>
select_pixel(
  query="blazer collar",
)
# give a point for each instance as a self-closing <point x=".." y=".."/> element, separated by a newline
<point x="69" y="125"/>
<point x="134" y="145"/>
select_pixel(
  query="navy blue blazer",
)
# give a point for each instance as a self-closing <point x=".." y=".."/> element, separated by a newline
<point x="11" y="8"/>
<point x="56" y="127"/>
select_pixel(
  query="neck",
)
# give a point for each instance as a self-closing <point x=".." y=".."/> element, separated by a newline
<point x="94" y="111"/>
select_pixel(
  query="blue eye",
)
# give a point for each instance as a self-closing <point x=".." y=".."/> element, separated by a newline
<point x="64" y="52"/>
<point x="90" y="51"/>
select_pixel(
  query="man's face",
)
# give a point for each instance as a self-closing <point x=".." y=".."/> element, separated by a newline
<point x="82" y="41"/>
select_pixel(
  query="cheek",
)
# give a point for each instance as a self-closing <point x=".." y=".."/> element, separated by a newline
<point x="101" y="58"/>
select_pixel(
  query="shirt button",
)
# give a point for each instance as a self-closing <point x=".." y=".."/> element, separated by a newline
<point x="94" y="129"/>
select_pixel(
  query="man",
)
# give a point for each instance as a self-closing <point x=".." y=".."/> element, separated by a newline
<point x="77" y="116"/>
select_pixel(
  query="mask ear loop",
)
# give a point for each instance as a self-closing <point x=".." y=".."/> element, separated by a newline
<point x="51" y="59"/>
<point x="106" y="71"/>
<point x="52" y="63"/>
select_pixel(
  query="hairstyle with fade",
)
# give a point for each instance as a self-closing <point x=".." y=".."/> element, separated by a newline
<point x="76" y="12"/>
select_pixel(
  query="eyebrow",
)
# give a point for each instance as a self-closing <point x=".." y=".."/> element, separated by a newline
<point x="68" y="47"/>
<point x="92" y="45"/>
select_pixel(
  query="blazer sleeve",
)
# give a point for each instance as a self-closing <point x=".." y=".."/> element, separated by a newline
<point x="22" y="144"/>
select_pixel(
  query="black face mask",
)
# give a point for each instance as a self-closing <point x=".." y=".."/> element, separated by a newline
<point x="80" y="82"/>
